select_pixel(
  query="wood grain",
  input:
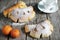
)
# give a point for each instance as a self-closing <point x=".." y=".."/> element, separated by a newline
<point x="2" y="23"/>
<point x="6" y="3"/>
<point x="40" y="16"/>
<point x="54" y="18"/>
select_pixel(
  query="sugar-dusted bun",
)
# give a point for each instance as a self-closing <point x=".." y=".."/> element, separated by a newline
<point x="20" y="12"/>
<point x="43" y="29"/>
<point x="36" y="31"/>
<point x="35" y="34"/>
<point x="20" y="4"/>
<point x="48" y="28"/>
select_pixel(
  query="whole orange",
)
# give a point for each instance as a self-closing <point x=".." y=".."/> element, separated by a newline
<point x="15" y="33"/>
<point x="6" y="29"/>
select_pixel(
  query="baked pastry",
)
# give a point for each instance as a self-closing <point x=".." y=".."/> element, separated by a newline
<point x="43" y="29"/>
<point x="20" y="4"/>
<point x="20" y="13"/>
<point x="28" y="28"/>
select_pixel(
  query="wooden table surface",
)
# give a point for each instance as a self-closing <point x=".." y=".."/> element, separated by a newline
<point x="54" y="18"/>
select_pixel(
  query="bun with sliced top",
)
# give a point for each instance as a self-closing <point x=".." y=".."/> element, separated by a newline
<point x="20" y="12"/>
<point x="43" y="29"/>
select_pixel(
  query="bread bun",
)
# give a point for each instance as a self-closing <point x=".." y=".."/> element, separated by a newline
<point x="43" y="29"/>
<point x="20" y="12"/>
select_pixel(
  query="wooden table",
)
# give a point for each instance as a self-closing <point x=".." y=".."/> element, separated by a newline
<point x="54" y="18"/>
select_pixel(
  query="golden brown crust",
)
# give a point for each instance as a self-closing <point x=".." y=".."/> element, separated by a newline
<point x="38" y="31"/>
<point x="51" y="26"/>
<point x="18" y="5"/>
<point x="33" y="15"/>
<point x="12" y="11"/>
<point x="21" y="4"/>
<point x="5" y="12"/>
<point x="26" y="29"/>
<point x="13" y="19"/>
